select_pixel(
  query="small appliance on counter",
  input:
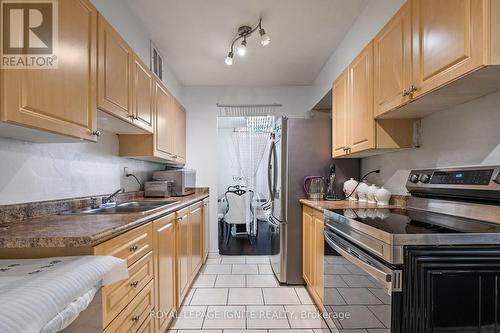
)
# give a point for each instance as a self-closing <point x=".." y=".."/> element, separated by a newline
<point x="158" y="188"/>
<point x="184" y="180"/>
<point x="314" y="186"/>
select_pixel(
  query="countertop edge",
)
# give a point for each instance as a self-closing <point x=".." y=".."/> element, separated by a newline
<point x="89" y="241"/>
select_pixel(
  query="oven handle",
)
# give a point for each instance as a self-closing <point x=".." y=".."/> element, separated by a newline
<point x="391" y="279"/>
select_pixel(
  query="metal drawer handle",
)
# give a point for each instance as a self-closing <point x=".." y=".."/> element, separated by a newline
<point x="134" y="284"/>
<point x="134" y="248"/>
<point x="135" y="318"/>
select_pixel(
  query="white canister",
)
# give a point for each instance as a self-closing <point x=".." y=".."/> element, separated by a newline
<point x="349" y="187"/>
<point x="361" y="191"/>
<point x="370" y="193"/>
<point x="382" y="196"/>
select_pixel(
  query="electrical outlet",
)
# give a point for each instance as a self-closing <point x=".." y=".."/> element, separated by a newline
<point x="125" y="171"/>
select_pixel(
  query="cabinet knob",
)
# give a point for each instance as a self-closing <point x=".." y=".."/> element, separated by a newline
<point x="135" y="318"/>
<point x="134" y="248"/>
<point x="96" y="133"/>
<point x="412" y="89"/>
<point x="131" y="116"/>
<point x="405" y="93"/>
<point x="134" y="284"/>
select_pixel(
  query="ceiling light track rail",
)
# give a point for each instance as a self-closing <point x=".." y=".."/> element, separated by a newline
<point x="244" y="32"/>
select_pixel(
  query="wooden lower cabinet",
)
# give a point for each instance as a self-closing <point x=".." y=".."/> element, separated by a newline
<point x="135" y="313"/>
<point x="206" y="234"/>
<point x="313" y="253"/>
<point x="164" y="267"/>
<point x="183" y="254"/>
<point x="117" y="295"/>
<point x="163" y="259"/>
<point x="196" y="224"/>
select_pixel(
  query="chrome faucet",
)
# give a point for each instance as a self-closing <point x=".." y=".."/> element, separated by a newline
<point x="111" y="198"/>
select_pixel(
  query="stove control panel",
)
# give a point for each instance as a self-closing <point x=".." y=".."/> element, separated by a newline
<point x="468" y="177"/>
<point x="462" y="177"/>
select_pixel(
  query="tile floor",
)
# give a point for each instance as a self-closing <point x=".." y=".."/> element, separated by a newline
<point x="236" y="294"/>
<point x="348" y="289"/>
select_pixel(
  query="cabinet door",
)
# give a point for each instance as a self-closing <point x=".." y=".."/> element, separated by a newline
<point x="340" y="106"/>
<point x="196" y="224"/>
<point x="142" y="95"/>
<point x="164" y="267"/>
<point x="164" y="104"/>
<point x="114" y="82"/>
<point x="318" y="254"/>
<point x="183" y="254"/>
<point x="179" y="126"/>
<point x="448" y="41"/>
<point x="361" y="132"/>
<point x="392" y="62"/>
<point x="62" y="100"/>
<point x="306" y="246"/>
<point x="206" y="232"/>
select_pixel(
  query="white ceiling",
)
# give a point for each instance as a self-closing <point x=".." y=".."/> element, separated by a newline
<point x="195" y="35"/>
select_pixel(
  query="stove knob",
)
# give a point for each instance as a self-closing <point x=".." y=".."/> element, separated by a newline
<point x="413" y="178"/>
<point x="425" y="178"/>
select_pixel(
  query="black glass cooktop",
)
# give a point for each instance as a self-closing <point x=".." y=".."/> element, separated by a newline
<point x="409" y="221"/>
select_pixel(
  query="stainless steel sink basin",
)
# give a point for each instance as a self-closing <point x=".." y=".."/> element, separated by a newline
<point x="146" y="206"/>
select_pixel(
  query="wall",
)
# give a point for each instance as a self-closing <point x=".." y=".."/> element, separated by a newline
<point x="118" y="14"/>
<point x="202" y="112"/>
<point x="36" y="172"/>
<point x="365" y="27"/>
<point x="468" y="134"/>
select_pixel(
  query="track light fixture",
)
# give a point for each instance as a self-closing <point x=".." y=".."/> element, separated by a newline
<point x="244" y="32"/>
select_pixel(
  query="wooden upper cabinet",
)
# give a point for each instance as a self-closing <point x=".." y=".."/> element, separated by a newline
<point x="355" y="131"/>
<point x="448" y="41"/>
<point x="165" y="116"/>
<point x="340" y="98"/>
<point x="392" y="54"/>
<point x="361" y="125"/>
<point x="164" y="244"/>
<point x="114" y="83"/>
<point x="142" y="95"/>
<point x="62" y="100"/>
<point x="180" y="133"/>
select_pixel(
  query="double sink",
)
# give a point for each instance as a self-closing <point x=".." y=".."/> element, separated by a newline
<point x="137" y="207"/>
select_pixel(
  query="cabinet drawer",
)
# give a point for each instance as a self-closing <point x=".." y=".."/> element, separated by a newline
<point x="148" y="326"/>
<point x="117" y="295"/>
<point x="130" y="246"/>
<point x="136" y="313"/>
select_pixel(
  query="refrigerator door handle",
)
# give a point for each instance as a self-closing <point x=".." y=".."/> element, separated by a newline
<point x="270" y="171"/>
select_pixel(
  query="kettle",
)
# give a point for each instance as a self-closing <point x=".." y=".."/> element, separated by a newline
<point x="314" y="186"/>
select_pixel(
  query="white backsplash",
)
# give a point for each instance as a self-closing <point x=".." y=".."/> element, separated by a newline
<point x="36" y="172"/>
<point x="465" y="135"/>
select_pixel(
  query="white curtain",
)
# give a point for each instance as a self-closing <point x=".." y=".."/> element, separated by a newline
<point x="250" y="143"/>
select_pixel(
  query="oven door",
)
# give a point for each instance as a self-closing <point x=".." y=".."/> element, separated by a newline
<point x="359" y="289"/>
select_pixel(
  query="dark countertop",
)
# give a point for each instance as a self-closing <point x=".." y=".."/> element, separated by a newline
<point x="58" y="231"/>
<point x="397" y="201"/>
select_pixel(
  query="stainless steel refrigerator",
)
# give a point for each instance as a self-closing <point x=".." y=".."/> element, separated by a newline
<point x="301" y="147"/>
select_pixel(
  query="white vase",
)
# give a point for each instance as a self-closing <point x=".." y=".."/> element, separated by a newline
<point x="383" y="213"/>
<point x="370" y="193"/>
<point x="361" y="191"/>
<point x="349" y="187"/>
<point x="382" y="196"/>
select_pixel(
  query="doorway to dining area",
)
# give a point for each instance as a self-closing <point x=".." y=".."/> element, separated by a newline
<point x="243" y="194"/>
